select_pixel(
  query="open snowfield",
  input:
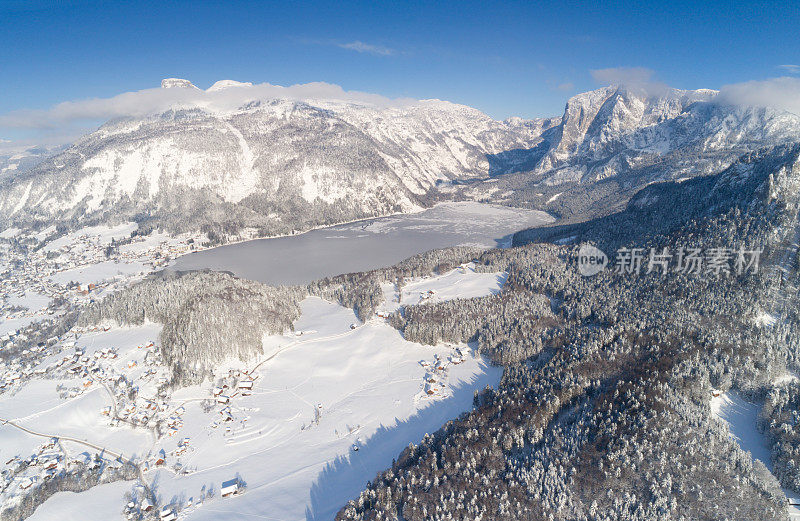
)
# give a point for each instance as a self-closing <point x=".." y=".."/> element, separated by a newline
<point x="101" y="272"/>
<point x="33" y="301"/>
<point x="102" y="502"/>
<point x="462" y="282"/>
<point x="99" y="234"/>
<point x="331" y="405"/>
<point x="741" y="417"/>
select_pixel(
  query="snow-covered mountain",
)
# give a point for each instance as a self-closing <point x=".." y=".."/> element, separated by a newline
<point x="277" y="164"/>
<point x="281" y="165"/>
<point x="613" y="141"/>
<point x="14" y="162"/>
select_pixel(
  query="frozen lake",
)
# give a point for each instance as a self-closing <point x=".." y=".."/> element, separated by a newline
<point x="365" y="245"/>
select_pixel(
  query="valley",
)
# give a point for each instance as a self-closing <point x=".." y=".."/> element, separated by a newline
<point x="187" y="333"/>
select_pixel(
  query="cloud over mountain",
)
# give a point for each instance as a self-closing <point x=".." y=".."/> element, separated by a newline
<point x="155" y="100"/>
<point x="777" y="93"/>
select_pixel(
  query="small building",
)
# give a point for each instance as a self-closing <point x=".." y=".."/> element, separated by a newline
<point x="168" y="514"/>
<point x="230" y="487"/>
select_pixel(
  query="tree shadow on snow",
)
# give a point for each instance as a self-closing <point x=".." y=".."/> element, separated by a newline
<point x="346" y="476"/>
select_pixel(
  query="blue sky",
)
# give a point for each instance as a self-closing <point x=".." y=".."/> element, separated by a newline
<point x="512" y="58"/>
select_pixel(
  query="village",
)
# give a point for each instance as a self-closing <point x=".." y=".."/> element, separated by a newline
<point x="135" y="428"/>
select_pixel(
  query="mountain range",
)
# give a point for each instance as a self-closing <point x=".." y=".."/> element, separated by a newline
<point x="277" y="166"/>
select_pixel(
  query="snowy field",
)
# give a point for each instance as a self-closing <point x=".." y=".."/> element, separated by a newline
<point x="741" y="417"/>
<point x="330" y="406"/>
<point x="463" y="282"/>
<point x="366" y="245"/>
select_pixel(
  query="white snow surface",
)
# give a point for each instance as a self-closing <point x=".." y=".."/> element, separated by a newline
<point x="332" y="385"/>
<point x="741" y="417"/>
<point x="94" y="273"/>
<point x="106" y="503"/>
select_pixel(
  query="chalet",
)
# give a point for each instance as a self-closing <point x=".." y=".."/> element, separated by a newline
<point x="427" y="294"/>
<point x="245" y="385"/>
<point x="223" y="399"/>
<point x="227" y="416"/>
<point x="168" y="514"/>
<point x="230" y="487"/>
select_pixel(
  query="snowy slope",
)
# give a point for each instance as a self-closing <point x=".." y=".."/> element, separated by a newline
<point x="741" y="417"/>
<point x="331" y="405"/>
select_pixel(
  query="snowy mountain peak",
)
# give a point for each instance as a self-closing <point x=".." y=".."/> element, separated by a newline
<point x="227" y="84"/>
<point x="177" y="83"/>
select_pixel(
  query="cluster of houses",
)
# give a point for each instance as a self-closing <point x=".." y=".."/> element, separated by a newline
<point x="436" y="371"/>
<point x="237" y="383"/>
<point x="20" y="475"/>
<point x="435" y="375"/>
<point x="32" y="270"/>
<point x="24" y="365"/>
<point x="141" y="506"/>
<point x="29" y="276"/>
<point x="426" y="295"/>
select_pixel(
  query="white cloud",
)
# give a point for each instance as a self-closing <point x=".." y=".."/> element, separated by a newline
<point x="566" y="87"/>
<point x="149" y="101"/>
<point x="623" y="75"/>
<point x="777" y="93"/>
<point x="790" y="68"/>
<point x="637" y="78"/>
<point x="377" y="50"/>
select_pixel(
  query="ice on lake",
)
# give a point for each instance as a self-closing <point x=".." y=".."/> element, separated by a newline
<point x="365" y="245"/>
